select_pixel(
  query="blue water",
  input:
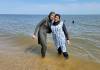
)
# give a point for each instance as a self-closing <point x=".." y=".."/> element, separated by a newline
<point x="19" y="23"/>
<point x="85" y="26"/>
<point x="26" y="23"/>
<point x="84" y="33"/>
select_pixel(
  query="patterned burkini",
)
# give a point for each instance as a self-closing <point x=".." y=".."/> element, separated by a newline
<point x="59" y="36"/>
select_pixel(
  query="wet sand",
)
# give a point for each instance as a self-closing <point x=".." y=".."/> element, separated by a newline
<point x="23" y="53"/>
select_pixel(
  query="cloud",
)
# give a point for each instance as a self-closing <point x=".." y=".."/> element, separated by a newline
<point x="69" y="8"/>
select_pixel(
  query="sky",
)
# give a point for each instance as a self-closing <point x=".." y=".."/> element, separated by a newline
<point x="45" y="6"/>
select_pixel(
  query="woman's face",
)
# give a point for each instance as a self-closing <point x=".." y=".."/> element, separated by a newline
<point x="52" y="16"/>
<point x="57" y="19"/>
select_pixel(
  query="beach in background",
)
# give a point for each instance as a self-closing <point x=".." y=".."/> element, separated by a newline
<point x="18" y="51"/>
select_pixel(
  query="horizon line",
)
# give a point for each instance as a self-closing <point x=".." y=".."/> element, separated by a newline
<point x="43" y="14"/>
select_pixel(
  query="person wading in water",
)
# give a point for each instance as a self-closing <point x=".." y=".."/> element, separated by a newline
<point x="42" y="29"/>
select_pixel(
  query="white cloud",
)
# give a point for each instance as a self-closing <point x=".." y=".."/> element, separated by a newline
<point x="69" y="8"/>
<point x="72" y="8"/>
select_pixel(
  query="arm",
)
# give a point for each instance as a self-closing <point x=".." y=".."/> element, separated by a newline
<point x="66" y="34"/>
<point x="38" y="25"/>
<point x="65" y="31"/>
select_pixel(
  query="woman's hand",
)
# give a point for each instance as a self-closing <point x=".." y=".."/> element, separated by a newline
<point x="68" y="42"/>
<point x="34" y="37"/>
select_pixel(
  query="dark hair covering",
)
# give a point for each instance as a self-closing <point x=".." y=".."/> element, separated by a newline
<point x="56" y="23"/>
<point x="50" y="14"/>
<point x="58" y="15"/>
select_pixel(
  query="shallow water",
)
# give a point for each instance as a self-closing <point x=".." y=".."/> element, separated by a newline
<point x="82" y="48"/>
<point x="21" y="52"/>
<point x="16" y="32"/>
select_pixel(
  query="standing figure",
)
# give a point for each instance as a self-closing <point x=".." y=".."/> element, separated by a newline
<point x="42" y="29"/>
<point x="60" y="35"/>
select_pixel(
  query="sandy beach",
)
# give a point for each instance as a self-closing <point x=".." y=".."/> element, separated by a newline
<point x="23" y="53"/>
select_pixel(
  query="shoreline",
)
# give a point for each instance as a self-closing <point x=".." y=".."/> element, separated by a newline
<point x="23" y="53"/>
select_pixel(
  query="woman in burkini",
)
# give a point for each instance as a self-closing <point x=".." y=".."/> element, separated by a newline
<point x="60" y="35"/>
<point x="42" y="29"/>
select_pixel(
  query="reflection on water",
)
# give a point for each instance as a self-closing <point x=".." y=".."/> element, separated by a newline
<point x="83" y="48"/>
<point x="16" y="32"/>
